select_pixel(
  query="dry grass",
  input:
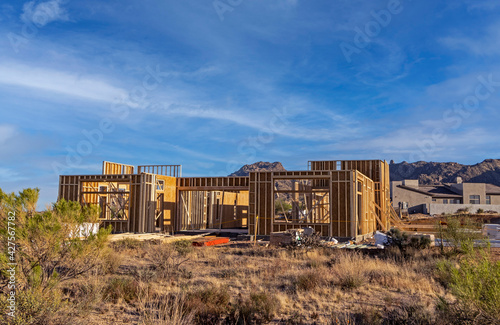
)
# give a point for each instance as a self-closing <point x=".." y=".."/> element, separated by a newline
<point x="241" y="284"/>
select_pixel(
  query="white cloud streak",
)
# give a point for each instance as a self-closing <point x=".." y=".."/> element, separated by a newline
<point x="487" y="45"/>
<point x="70" y="84"/>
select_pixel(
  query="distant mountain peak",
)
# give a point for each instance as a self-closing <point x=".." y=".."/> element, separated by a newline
<point x="257" y="167"/>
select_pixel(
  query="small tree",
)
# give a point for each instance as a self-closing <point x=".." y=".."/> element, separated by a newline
<point x="47" y="249"/>
<point x="461" y="232"/>
<point x="281" y="206"/>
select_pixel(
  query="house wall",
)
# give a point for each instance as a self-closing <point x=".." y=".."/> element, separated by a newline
<point x="474" y="189"/>
<point x="452" y="208"/>
<point x="414" y="199"/>
<point x="495" y="199"/>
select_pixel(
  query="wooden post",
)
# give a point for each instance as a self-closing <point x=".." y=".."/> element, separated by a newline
<point x="255" y="235"/>
<point x="221" y="210"/>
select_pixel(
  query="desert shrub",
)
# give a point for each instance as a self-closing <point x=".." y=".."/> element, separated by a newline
<point x="260" y="307"/>
<point x="48" y="251"/>
<point x="121" y="289"/>
<point x="164" y="258"/>
<point x="84" y="295"/>
<point x="110" y="261"/>
<point x="294" y="319"/>
<point x="127" y="243"/>
<point x="475" y="281"/>
<point x="405" y="243"/>
<point x="208" y="304"/>
<point x="347" y="318"/>
<point x="183" y="247"/>
<point x="348" y="270"/>
<point x="308" y="281"/>
<point x="408" y="313"/>
<point x="163" y="309"/>
<point x="227" y="273"/>
<point x="36" y="307"/>
<point x="351" y="281"/>
<point x="461" y="233"/>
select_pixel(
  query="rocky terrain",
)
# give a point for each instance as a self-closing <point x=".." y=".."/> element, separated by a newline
<point x="428" y="173"/>
<point x="259" y="166"/>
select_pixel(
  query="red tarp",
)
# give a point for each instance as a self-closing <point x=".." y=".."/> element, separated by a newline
<point x="210" y="241"/>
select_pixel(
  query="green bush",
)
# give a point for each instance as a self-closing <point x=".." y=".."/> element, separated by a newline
<point x="475" y="281"/>
<point x="183" y="247"/>
<point x="34" y="306"/>
<point x="48" y="251"/>
<point x="405" y="243"/>
<point x="461" y="233"/>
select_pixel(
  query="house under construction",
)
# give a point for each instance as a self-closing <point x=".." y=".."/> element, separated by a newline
<point x="336" y="198"/>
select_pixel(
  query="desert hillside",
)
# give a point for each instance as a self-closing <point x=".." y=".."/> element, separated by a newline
<point x="487" y="171"/>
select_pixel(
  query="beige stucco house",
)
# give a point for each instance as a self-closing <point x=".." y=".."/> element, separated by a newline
<point x="444" y="198"/>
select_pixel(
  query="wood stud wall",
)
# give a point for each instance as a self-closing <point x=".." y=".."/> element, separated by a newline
<point x="376" y="170"/>
<point x="165" y="170"/>
<point x="142" y="201"/>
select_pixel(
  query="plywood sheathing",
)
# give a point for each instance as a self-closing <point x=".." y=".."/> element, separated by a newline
<point x="110" y="168"/>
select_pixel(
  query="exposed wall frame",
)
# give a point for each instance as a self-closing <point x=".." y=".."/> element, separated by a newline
<point x="165" y="170"/>
<point x="343" y="198"/>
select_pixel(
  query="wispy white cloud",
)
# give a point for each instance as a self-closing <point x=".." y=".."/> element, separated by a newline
<point x="9" y="175"/>
<point x="43" y="13"/>
<point x="280" y="122"/>
<point x="62" y="82"/>
<point x="488" y="44"/>
<point x="482" y="4"/>
<point x="419" y="143"/>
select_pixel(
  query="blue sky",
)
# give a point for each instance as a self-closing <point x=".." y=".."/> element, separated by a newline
<point x="213" y="85"/>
